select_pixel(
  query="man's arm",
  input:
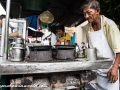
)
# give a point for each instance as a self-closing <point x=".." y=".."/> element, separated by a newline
<point x="113" y="36"/>
<point x="113" y="72"/>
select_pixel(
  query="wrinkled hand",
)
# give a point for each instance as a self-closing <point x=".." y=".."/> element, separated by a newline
<point x="113" y="74"/>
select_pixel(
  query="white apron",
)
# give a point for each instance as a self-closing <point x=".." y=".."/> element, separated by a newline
<point x="98" y="40"/>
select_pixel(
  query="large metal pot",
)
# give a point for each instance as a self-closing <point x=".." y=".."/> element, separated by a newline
<point x="64" y="52"/>
<point x="40" y="53"/>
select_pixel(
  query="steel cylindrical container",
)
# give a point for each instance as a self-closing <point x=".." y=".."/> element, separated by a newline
<point x="18" y="54"/>
<point x="90" y="53"/>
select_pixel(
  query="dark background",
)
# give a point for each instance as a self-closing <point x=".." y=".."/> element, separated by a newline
<point x="66" y="12"/>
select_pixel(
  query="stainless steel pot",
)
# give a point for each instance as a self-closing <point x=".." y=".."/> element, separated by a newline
<point x="17" y="54"/>
<point x="90" y="53"/>
<point x="19" y="40"/>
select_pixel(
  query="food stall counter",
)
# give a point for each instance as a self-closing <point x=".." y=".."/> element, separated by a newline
<point x="7" y="68"/>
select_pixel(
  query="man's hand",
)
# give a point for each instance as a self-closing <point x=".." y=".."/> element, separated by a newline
<point x="113" y="74"/>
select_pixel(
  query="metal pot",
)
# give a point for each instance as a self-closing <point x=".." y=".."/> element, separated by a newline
<point x="40" y="53"/>
<point x="17" y="54"/>
<point x="64" y="52"/>
<point x="19" y="40"/>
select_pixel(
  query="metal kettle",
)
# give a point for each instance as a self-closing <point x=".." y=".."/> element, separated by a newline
<point x="18" y="50"/>
<point x="17" y="54"/>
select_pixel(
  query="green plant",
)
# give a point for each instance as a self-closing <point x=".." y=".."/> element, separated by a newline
<point x="111" y="9"/>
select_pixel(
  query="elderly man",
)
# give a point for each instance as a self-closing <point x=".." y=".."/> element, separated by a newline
<point x="103" y="34"/>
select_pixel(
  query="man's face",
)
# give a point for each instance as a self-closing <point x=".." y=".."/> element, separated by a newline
<point x="91" y="14"/>
<point x="60" y="32"/>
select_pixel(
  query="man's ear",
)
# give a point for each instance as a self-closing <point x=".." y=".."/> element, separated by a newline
<point x="98" y="10"/>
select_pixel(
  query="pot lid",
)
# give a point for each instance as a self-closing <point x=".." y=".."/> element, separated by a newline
<point x="65" y="46"/>
<point x="18" y="48"/>
<point x="40" y="47"/>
